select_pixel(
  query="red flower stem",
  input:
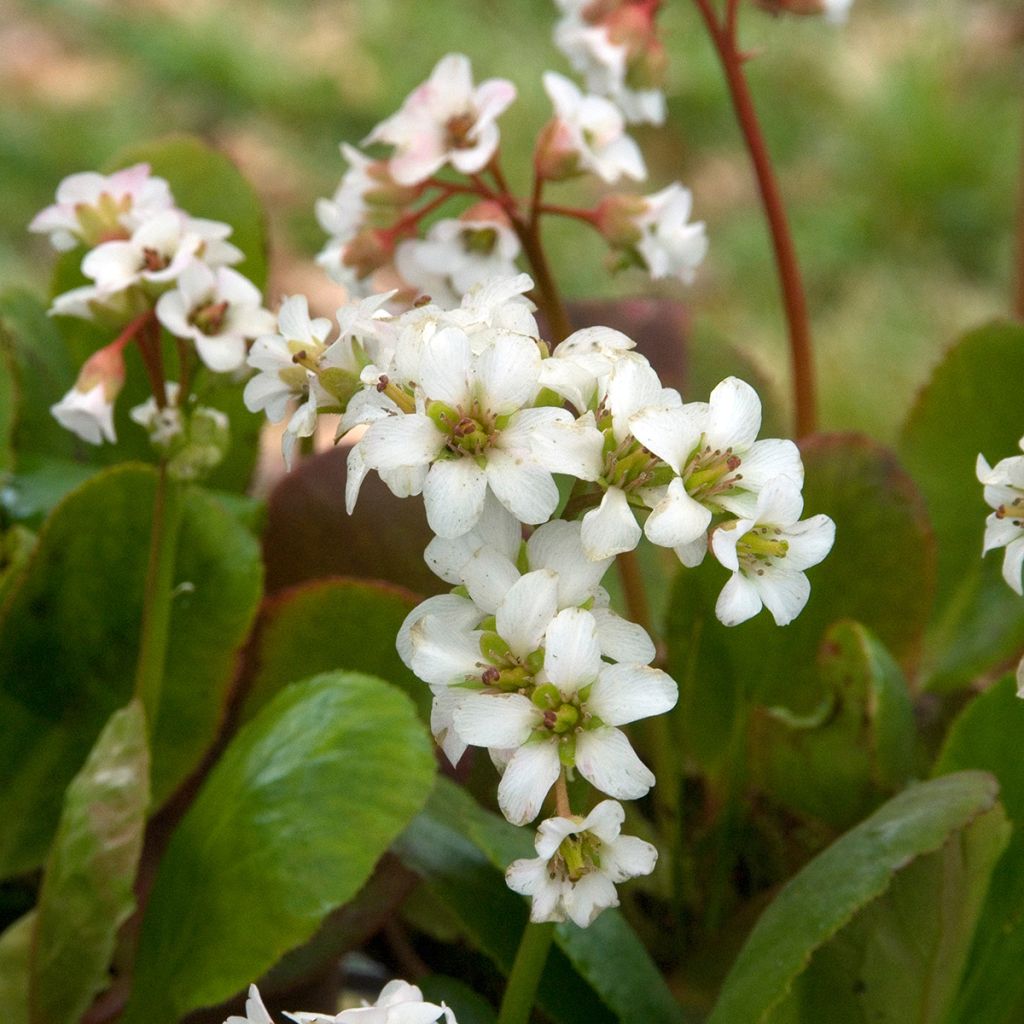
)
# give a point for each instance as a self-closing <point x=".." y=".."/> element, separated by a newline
<point x="412" y="218"/>
<point x="724" y="38"/>
<point x="587" y="216"/>
<point x="131" y="329"/>
<point x="148" y="338"/>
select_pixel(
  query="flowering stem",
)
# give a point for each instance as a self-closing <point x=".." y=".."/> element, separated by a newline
<point x="148" y="337"/>
<point x="562" y="806"/>
<point x="521" y="990"/>
<point x="587" y="216"/>
<point x="156" y="607"/>
<point x="794" y="300"/>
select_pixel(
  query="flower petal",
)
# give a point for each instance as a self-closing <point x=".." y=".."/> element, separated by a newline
<point x="527" y="779"/>
<point x="738" y="601"/>
<point x="526" y="611"/>
<point x="611" y="528"/>
<point x="453" y="495"/>
<point x="626" y="693"/>
<point x="605" y="758"/>
<point x="496" y="720"/>
<point x="572" y="657"/>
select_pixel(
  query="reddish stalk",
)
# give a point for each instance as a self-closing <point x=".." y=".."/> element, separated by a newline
<point x="148" y="337"/>
<point x="587" y="216"/>
<point x="724" y="37"/>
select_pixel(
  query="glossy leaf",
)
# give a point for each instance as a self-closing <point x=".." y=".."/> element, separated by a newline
<point x="287" y="826"/>
<point x="839" y="763"/>
<point x="87" y="890"/>
<point x="332" y="624"/>
<point x="15" y="954"/>
<point x="69" y="635"/>
<point x="879" y="573"/>
<point x="970" y="406"/>
<point x="856" y="869"/>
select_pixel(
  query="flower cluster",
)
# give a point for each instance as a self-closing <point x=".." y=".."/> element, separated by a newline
<point x="377" y="216"/>
<point x="471" y="408"/>
<point x="150" y="264"/>
<point x="398" y="1003"/>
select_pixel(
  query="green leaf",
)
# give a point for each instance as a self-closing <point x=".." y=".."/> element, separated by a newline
<point x="40" y="484"/>
<point x="979" y="621"/>
<point x="287" y="826"/>
<point x="858" y="748"/>
<point x="87" y="891"/>
<point x="457" y="845"/>
<point x="15" y="953"/>
<point x="879" y="573"/>
<point x="986" y="735"/>
<point x="332" y="624"/>
<point x="902" y="957"/>
<point x="69" y="635"/>
<point x="839" y="882"/>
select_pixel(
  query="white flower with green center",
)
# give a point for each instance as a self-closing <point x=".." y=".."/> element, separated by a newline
<point x="556" y="704"/>
<point x="398" y="1003"/>
<point x="579" y="863"/>
<point x="445" y="120"/>
<point x="716" y="462"/>
<point x="768" y="554"/>
<point x="1004" y="528"/>
<point x="489" y="566"/>
<point x="470" y="428"/>
<point x="629" y="471"/>
<point x="94" y="208"/>
<point x="457" y="255"/>
<point x="217" y="309"/>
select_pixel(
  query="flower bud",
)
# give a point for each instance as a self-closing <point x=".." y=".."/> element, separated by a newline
<point x="88" y="408"/>
<point x="556" y="156"/>
<point x="616" y="218"/>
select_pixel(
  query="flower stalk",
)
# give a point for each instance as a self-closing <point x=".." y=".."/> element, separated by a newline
<point x="724" y="36"/>
<point x="157" y="597"/>
<point x="521" y="990"/>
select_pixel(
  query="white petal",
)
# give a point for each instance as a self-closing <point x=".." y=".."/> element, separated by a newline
<point x="442" y="657"/>
<point x="784" y="594"/>
<point x="604" y="821"/>
<point x="692" y="554"/>
<point x="526" y="490"/>
<point x="404" y="440"/>
<point x="611" y="528"/>
<point x="496" y="720"/>
<point x="780" y="502"/>
<point x="622" y="640"/>
<point x="453" y="495"/>
<point x="628" y="857"/>
<point x="507" y="374"/>
<point x="221" y="353"/>
<point x="572" y="657"/>
<point x="735" y="415"/>
<point x="557" y="546"/>
<point x="528" y="777"/>
<point x="488" y="576"/>
<point x="562" y="444"/>
<point x="677" y="519"/>
<point x="627" y="693"/>
<point x="590" y="895"/>
<point x="445" y="367"/>
<point x="809" y="542"/>
<point x="458" y="613"/>
<point x="671" y="433"/>
<point x="1012" y="562"/>
<point x="605" y="758"/>
<point x="738" y="601"/>
<point x="526" y="611"/>
<point x="724" y="540"/>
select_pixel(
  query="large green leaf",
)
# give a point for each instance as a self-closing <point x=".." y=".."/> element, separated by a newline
<point x="902" y="958"/>
<point x="69" y="636"/>
<point x="987" y="735"/>
<point x="287" y="826"/>
<point x="457" y="845"/>
<point x="970" y="406"/>
<point x="87" y="890"/>
<point x="331" y="624"/>
<point x="879" y="573"/>
<point x="856" y="750"/>
<point x="15" y="954"/>
<point x="841" y="881"/>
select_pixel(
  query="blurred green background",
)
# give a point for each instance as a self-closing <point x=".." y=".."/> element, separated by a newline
<point x="896" y="136"/>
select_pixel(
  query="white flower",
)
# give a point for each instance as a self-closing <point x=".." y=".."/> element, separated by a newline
<point x="94" y="208"/>
<point x="583" y="359"/>
<point x="89" y="414"/>
<point x="343" y="214"/>
<point x="768" y="554"/>
<point x="1004" y="492"/>
<point x="218" y="309"/>
<point x="837" y="11"/>
<point x="445" y="120"/>
<point x="556" y="703"/>
<point x="164" y="425"/>
<point x="457" y="255"/>
<point x="472" y="431"/>
<point x="580" y="861"/>
<point x="584" y="35"/>
<point x="717" y="461"/>
<point x="593" y="129"/>
<point x="255" y="1011"/>
<point x="398" y="1003"/>
<point x="669" y="244"/>
<point x="88" y="408"/>
<point x="158" y="251"/>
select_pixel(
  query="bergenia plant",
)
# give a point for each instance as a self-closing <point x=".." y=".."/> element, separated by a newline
<point x="652" y="670"/>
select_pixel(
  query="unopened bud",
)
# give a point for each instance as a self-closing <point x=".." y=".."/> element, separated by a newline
<point x="616" y="218"/>
<point x="556" y="156"/>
